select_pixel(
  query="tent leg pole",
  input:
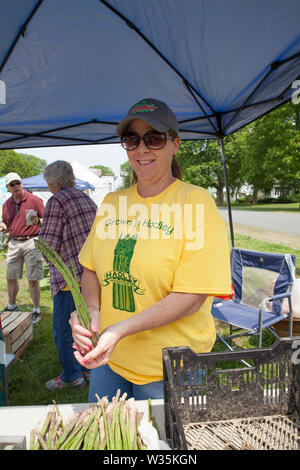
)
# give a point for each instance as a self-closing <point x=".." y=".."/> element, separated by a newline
<point x="227" y="190"/>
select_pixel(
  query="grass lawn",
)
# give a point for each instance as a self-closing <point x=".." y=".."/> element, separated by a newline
<point x="291" y="207"/>
<point x="247" y="242"/>
<point x="40" y="362"/>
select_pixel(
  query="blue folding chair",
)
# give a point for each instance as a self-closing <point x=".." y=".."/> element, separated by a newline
<point x="260" y="281"/>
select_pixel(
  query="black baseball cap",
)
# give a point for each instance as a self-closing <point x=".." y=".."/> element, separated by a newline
<point x="153" y="111"/>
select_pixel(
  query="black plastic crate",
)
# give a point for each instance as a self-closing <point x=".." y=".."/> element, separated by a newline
<point x="210" y="405"/>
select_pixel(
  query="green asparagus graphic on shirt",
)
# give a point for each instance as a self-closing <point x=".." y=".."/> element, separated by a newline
<point x="122" y="291"/>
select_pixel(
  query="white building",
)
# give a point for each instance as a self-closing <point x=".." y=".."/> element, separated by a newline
<point x="103" y="184"/>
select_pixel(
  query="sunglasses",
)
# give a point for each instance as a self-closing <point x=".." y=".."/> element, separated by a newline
<point x="153" y="140"/>
<point x="14" y="184"/>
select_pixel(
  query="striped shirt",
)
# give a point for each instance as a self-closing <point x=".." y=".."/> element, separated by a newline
<point x="68" y="218"/>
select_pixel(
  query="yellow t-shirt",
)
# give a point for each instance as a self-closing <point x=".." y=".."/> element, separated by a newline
<point x="142" y="249"/>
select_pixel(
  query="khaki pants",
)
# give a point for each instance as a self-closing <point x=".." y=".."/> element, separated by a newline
<point x="20" y="252"/>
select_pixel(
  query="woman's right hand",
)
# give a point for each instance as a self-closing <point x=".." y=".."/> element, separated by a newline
<point x="82" y="336"/>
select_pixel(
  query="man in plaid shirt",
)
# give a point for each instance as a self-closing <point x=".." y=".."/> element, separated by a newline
<point x="68" y="218"/>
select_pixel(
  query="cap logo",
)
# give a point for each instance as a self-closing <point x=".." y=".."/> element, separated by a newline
<point x="143" y="107"/>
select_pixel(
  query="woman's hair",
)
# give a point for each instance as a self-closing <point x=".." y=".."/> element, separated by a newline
<point x="60" y="173"/>
<point x="175" y="168"/>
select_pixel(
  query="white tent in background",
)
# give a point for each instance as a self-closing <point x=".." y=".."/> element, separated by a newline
<point x="103" y="184"/>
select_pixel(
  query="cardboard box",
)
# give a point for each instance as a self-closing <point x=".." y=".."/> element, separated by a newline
<point x="17" y="331"/>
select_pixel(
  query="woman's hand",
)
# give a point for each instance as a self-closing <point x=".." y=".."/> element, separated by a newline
<point x="99" y="356"/>
<point x="172" y="307"/>
<point x="82" y="336"/>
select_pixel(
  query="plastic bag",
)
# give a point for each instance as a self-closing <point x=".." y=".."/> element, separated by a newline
<point x="150" y="437"/>
<point x="29" y="214"/>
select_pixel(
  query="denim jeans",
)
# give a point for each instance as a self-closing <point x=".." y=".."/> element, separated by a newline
<point x="63" y="306"/>
<point x="105" y="382"/>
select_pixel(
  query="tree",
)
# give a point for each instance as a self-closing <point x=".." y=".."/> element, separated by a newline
<point x="271" y="150"/>
<point x="23" y="164"/>
<point x="201" y="164"/>
<point x="127" y="174"/>
<point x="106" y="170"/>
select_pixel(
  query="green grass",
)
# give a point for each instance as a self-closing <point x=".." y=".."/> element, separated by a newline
<point x="288" y="207"/>
<point x="40" y="361"/>
<point x="244" y="241"/>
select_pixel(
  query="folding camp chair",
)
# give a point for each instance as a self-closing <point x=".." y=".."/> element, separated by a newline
<point x="260" y="281"/>
<point x="6" y="360"/>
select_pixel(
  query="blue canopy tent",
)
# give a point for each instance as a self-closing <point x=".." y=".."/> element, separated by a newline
<point x="70" y="69"/>
<point x="38" y="183"/>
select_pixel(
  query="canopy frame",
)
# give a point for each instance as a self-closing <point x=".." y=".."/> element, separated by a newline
<point x="217" y="131"/>
<point x="211" y="115"/>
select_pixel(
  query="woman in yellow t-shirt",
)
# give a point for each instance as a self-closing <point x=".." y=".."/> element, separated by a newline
<point x="156" y="255"/>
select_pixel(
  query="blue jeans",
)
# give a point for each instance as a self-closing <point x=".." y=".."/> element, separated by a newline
<point x="63" y="306"/>
<point x="105" y="382"/>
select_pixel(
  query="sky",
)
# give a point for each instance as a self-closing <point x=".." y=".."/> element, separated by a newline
<point x="111" y="155"/>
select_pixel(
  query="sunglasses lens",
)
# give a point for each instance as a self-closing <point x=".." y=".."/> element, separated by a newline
<point x="130" y="141"/>
<point x="155" y="140"/>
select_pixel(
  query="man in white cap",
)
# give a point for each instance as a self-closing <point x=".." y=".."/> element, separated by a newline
<point x="21" y="247"/>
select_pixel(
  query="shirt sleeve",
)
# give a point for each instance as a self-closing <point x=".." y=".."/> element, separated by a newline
<point x="86" y="254"/>
<point x="53" y="224"/>
<point x="40" y="208"/>
<point x="204" y="265"/>
<point x="5" y="214"/>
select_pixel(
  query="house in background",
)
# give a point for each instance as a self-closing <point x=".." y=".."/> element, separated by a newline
<point x="103" y="184"/>
<point x="107" y="180"/>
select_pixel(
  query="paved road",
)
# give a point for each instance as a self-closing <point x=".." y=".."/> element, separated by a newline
<point x="276" y="221"/>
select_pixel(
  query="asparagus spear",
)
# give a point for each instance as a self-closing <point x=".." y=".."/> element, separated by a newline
<point x="71" y="281"/>
<point x="43" y="430"/>
<point x="92" y="432"/>
<point x="111" y="426"/>
<point x="102" y="445"/>
<point x="41" y="441"/>
<point x="80" y="427"/>
<point x="68" y="429"/>
<point x="32" y="439"/>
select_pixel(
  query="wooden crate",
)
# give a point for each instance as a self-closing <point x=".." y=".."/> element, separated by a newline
<point x="17" y="331"/>
<point x="282" y="327"/>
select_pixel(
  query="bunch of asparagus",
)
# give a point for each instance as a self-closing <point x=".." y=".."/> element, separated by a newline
<point x="102" y="426"/>
<point x="71" y="280"/>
